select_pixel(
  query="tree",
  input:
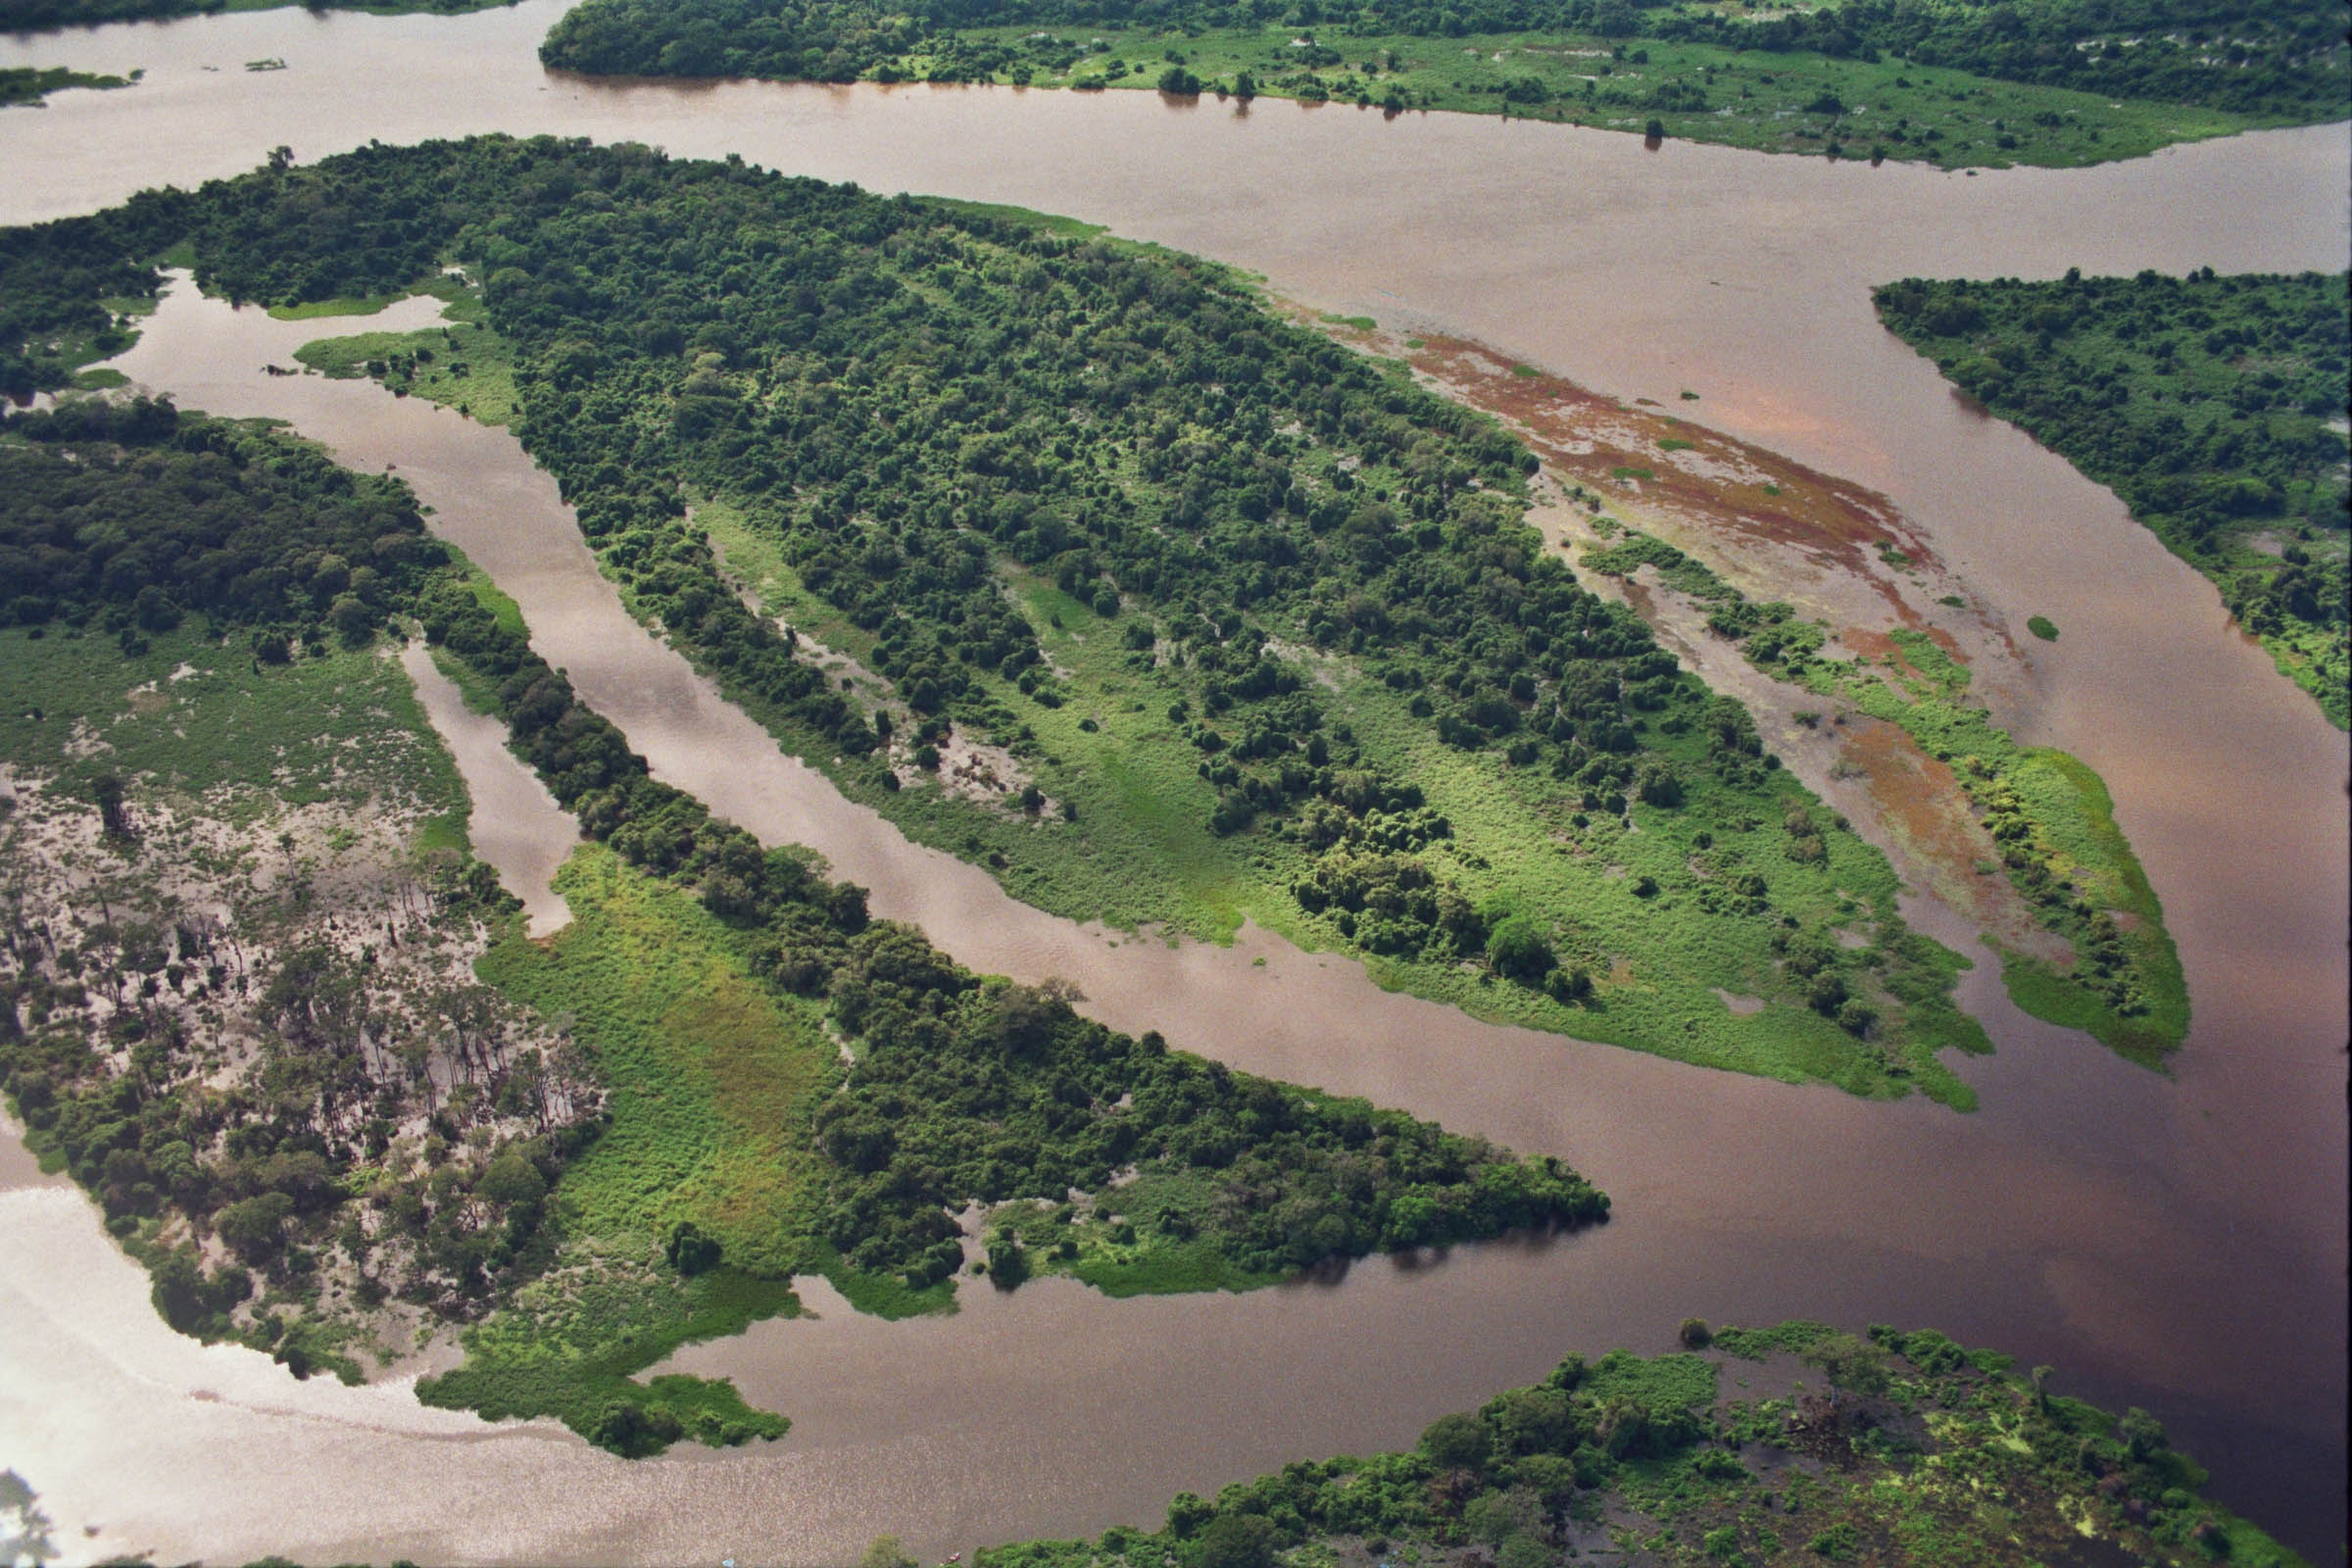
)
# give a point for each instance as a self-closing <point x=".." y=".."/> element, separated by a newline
<point x="1236" y="1541"/>
<point x="255" y="1227"/>
<point x="1851" y="1363"/>
<point x="1525" y="1550"/>
<point x="1495" y="1517"/>
<point x="1695" y="1335"/>
<point x="1518" y="950"/>
<point x="885" y="1553"/>
<point x="689" y="1250"/>
<point x="1244" y="86"/>
<point x="107" y="790"/>
<point x="1457" y="1441"/>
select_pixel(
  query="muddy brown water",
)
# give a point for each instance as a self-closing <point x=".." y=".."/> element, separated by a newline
<point x="515" y="825"/>
<point x="2177" y="1244"/>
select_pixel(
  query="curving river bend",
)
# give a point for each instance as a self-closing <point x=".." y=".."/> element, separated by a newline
<point x="2177" y="1244"/>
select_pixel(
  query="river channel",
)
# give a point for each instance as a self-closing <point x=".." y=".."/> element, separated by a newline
<point x="2176" y="1242"/>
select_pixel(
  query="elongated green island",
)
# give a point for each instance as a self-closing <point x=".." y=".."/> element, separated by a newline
<point x="1960" y="84"/>
<point x="23" y="85"/>
<point x="2213" y="405"/>
<point x="1076" y="561"/>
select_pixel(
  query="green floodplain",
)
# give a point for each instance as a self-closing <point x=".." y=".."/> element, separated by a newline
<point x="2214" y="405"/>
<point x="2055" y="82"/>
<point x="1794" y="1445"/>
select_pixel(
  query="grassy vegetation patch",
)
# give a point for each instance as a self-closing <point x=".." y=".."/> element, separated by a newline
<point x="463" y="365"/>
<point x="707" y="1076"/>
<point x="2051" y="815"/>
<point x="27" y="85"/>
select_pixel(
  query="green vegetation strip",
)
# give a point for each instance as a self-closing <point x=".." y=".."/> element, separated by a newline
<point x="1888" y="1447"/>
<point x="2051" y="83"/>
<point x="29" y="15"/>
<point x="2212" y="405"/>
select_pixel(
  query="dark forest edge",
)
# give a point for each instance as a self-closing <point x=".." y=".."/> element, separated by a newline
<point x="2211" y="405"/>
<point x="1876" y="1448"/>
<point x="2055" y="82"/>
<point x="717" y="1143"/>
<point x="1170" y="665"/>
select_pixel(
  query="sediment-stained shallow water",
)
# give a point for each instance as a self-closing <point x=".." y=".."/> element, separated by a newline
<point x="2177" y="1244"/>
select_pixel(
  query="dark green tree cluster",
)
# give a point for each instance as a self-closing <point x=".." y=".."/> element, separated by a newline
<point x="130" y="515"/>
<point x="2204" y="402"/>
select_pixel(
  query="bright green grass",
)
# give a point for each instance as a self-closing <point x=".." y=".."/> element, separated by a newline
<point x="708" y="1077"/>
<point x="1754" y="100"/>
<point x="1662" y="1384"/>
<point x="2074" y="834"/>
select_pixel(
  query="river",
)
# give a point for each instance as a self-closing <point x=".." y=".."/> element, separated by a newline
<point x="2177" y="1244"/>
